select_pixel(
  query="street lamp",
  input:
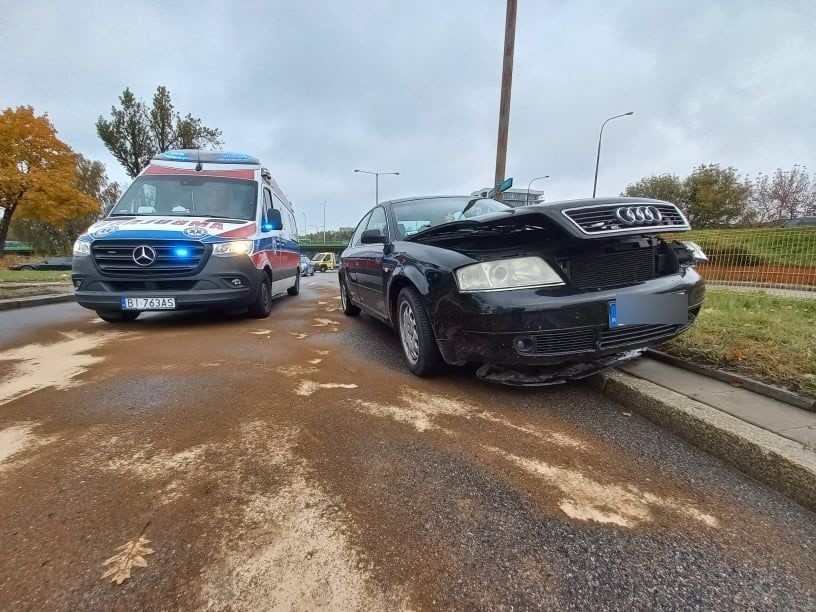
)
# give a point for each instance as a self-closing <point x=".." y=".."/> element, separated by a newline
<point x="324" y="221"/>
<point x="538" y="178"/>
<point x="305" y="227"/>
<point x="377" y="182"/>
<point x="598" y="158"/>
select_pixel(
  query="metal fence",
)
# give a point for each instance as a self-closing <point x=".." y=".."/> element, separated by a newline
<point x="779" y="261"/>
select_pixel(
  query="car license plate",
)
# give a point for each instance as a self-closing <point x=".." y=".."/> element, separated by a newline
<point x="613" y="315"/>
<point x="148" y="303"/>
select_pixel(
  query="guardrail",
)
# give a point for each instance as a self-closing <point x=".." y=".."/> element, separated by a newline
<point x="781" y="261"/>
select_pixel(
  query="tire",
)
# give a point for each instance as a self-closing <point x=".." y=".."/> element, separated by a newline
<point x="349" y="309"/>
<point x="118" y="316"/>
<point x="295" y="290"/>
<point x="262" y="306"/>
<point x="416" y="334"/>
<point x="27" y="268"/>
<point x="323" y="267"/>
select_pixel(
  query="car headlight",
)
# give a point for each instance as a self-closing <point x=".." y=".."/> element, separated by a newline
<point x="507" y="274"/>
<point x="233" y="247"/>
<point x="696" y="252"/>
<point x="82" y="248"/>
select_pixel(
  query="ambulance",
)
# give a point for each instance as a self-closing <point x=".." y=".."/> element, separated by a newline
<point x="195" y="230"/>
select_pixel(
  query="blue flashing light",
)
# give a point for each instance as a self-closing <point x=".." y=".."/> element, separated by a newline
<point x="235" y="157"/>
<point x="266" y="227"/>
<point x="175" y="155"/>
<point x="181" y="252"/>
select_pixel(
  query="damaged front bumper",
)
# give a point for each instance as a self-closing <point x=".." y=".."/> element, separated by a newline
<point x="542" y="376"/>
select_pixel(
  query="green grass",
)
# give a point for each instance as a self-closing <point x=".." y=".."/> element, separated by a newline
<point x="758" y="335"/>
<point x="769" y="246"/>
<point x="34" y="275"/>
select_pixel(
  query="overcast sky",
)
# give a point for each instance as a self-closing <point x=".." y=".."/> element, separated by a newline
<point x="317" y="89"/>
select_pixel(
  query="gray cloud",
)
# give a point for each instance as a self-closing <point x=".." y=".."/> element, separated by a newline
<point x="317" y="89"/>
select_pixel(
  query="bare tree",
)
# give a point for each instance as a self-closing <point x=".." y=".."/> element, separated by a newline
<point x="784" y="195"/>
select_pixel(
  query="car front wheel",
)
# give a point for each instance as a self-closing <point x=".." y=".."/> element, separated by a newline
<point x="349" y="308"/>
<point x="416" y="334"/>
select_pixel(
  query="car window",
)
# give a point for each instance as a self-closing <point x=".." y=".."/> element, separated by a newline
<point x="377" y="221"/>
<point x="355" y="239"/>
<point x="417" y="215"/>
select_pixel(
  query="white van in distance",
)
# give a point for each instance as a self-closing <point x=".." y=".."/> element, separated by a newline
<point x="196" y="229"/>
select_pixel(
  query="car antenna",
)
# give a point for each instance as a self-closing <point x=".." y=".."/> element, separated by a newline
<point x="199" y="167"/>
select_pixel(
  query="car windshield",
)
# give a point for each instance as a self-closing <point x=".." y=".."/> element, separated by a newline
<point x="185" y="196"/>
<point x="416" y="216"/>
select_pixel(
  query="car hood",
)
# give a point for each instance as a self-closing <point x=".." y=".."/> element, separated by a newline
<point x="582" y="219"/>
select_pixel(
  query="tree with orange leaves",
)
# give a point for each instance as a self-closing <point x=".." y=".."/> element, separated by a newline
<point x="38" y="172"/>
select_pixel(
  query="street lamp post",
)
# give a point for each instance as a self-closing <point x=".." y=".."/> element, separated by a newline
<point x="376" y="182"/>
<point x="598" y="158"/>
<point x="305" y="227"/>
<point x="324" y="221"/>
<point x="538" y="178"/>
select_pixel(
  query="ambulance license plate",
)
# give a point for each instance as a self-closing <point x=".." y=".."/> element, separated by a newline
<point x="148" y="303"/>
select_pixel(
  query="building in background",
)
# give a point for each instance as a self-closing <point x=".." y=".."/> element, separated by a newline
<point x="515" y="197"/>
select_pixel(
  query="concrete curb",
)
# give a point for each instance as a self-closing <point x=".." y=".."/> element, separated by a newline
<point x="786" y="465"/>
<point x="782" y="395"/>
<point x="36" y="300"/>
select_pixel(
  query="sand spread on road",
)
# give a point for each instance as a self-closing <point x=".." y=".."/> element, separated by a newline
<point x="37" y="366"/>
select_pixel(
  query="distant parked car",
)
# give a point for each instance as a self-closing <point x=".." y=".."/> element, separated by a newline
<point x="52" y="263"/>
<point x="306" y="266"/>
<point x="800" y="222"/>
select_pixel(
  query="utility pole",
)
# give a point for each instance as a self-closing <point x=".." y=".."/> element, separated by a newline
<point x="506" y="86"/>
<point x="324" y="221"/>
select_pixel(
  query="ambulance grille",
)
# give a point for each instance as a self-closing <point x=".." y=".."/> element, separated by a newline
<point x="118" y="257"/>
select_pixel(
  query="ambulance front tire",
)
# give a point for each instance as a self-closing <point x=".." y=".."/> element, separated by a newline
<point x="118" y="316"/>
<point x="262" y="306"/>
<point x="295" y="289"/>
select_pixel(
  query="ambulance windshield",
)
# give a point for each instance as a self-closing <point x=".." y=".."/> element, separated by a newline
<point x="189" y="196"/>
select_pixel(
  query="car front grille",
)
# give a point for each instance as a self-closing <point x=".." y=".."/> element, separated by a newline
<point x="116" y="257"/>
<point x="631" y="334"/>
<point x="609" y="270"/>
<point x="600" y="220"/>
<point x="574" y="340"/>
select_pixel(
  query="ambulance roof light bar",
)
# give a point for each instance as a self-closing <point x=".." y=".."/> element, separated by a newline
<point x="206" y="157"/>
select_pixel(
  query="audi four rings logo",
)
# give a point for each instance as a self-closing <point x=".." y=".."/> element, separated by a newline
<point x="638" y="215"/>
<point x="144" y="255"/>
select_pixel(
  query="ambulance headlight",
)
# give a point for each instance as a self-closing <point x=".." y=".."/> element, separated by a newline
<point x="233" y="247"/>
<point x="82" y="248"/>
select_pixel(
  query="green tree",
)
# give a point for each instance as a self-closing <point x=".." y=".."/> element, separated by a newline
<point x="134" y="133"/>
<point x="38" y="173"/>
<point x="715" y="196"/>
<point x="667" y="187"/>
<point x="57" y="237"/>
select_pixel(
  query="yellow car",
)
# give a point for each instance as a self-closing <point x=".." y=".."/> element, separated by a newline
<point x="325" y="261"/>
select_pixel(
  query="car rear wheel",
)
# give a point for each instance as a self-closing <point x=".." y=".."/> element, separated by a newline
<point x="295" y="290"/>
<point x="26" y="268"/>
<point x="118" y="316"/>
<point x="349" y="308"/>
<point x="416" y="334"/>
<point x="262" y="306"/>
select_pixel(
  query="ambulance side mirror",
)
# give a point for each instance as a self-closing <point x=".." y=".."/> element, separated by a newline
<point x="274" y="221"/>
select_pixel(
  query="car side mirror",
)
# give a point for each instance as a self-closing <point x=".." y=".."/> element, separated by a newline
<point x="274" y="221"/>
<point x="372" y="236"/>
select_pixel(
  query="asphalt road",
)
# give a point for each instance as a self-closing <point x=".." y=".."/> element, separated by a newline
<point x="292" y="463"/>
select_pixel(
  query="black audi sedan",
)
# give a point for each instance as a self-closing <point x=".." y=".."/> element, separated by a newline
<point x="532" y="295"/>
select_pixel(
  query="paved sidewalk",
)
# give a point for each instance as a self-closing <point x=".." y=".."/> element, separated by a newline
<point x="771" y="415"/>
<point x="36" y="300"/>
